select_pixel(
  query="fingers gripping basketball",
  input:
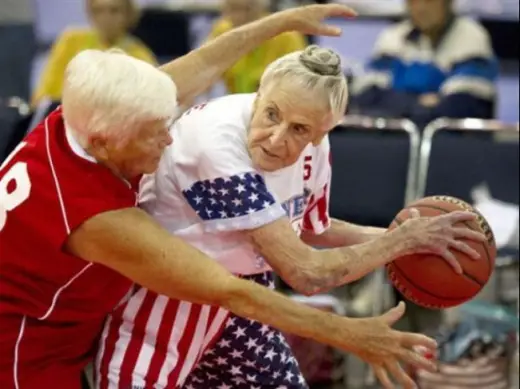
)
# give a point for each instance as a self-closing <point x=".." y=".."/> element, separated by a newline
<point x="429" y="280"/>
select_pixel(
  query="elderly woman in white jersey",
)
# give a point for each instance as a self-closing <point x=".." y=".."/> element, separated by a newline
<point x="246" y="181"/>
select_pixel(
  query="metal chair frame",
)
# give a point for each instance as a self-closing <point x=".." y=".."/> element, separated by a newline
<point x="457" y="125"/>
<point x="384" y="291"/>
<point x="397" y="125"/>
<point x="508" y="132"/>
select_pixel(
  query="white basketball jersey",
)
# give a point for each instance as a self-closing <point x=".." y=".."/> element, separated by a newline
<point x="207" y="191"/>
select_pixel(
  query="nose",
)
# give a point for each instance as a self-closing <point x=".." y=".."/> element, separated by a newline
<point x="165" y="140"/>
<point x="169" y="139"/>
<point x="277" y="137"/>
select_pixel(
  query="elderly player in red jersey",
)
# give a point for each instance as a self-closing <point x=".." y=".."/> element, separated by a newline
<point x="72" y="241"/>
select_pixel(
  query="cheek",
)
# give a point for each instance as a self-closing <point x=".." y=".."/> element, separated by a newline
<point x="121" y="20"/>
<point x="256" y="135"/>
<point x="294" y="149"/>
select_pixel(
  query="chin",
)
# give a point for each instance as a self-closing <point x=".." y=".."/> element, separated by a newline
<point x="269" y="166"/>
<point x="151" y="168"/>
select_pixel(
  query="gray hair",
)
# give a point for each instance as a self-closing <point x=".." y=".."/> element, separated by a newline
<point x="112" y="94"/>
<point x="316" y="69"/>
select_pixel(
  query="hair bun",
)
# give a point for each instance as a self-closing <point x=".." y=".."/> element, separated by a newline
<point x="321" y="61"/>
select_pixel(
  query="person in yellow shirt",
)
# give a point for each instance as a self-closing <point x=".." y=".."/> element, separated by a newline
<point x="111" y="22"/>
<point x="244" y="75"/>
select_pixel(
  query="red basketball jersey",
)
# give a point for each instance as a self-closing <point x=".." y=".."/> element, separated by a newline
<point x="52" y="304"/>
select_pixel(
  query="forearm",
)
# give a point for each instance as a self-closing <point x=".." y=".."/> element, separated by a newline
<point x="310" y="271"/>
<point x="153" y="258"/>
<point x="341" y="233"/>
<point x="342" y="265"/>
<point x="198" y="70"/>
<point x="259" y="303"/>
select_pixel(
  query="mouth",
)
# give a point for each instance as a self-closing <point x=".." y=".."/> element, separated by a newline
<point x="266" y="152"/>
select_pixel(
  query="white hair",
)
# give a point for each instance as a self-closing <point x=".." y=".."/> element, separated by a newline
<point x="314" y="69"/>
<point x="112" y="94"/>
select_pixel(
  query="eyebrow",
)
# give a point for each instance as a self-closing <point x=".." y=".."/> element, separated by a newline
<point x="272" y="104"/>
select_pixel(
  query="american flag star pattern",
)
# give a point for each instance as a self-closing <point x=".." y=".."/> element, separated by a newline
<point x="248" y="355"/>
<point x="237" y="202"/>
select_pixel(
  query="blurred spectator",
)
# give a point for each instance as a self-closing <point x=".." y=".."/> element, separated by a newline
<point x="435" y="64"/>
<point x="111" y="22"/>
<point x="245" y="75"/>
<point x="17" y="47"/>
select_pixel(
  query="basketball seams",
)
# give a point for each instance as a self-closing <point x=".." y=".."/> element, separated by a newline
<point x="464" y="274"/>
<point x="425" y="291"/>
<point x="468" y="225"/>
<point x="403" y="281"/>
<point x="394" y="271"/>
<point x="484" y="225"/>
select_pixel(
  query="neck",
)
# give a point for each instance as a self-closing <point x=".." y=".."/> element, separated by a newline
<point x="110" y="41"/>
<point x="108" y="164"/>
<point x="435" y="34"/>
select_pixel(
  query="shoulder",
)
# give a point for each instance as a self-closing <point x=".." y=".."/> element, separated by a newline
<point x="221" y="117"/>
<point x="75" y="35"/>
<point x="467" y="39"/>
<point x="52" y="168"/>
<point x="140" y="50"/>
<point x="220" y="26"/>
<point x="322" y="151"/>
<point x="467" y="29"/>
<point x="324" y="146"/>
<point x="390" y="41"/>
<point x="217" y="129"/>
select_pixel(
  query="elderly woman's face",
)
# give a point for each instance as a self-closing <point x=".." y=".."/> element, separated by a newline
<point x="285" y="120"/>
<point x="111" y="18"/>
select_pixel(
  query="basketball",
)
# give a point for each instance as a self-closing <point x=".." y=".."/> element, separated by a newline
<point x="428" y="280"/>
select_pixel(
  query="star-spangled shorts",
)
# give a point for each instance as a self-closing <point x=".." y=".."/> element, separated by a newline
<point x="248" y="355"/>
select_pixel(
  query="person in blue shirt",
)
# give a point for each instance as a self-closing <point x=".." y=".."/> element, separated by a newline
<point x="434" y="64"/>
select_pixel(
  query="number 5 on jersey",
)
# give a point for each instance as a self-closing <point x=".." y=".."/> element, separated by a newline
<point x="15" y="186"/>
<point x="307" y="167"/>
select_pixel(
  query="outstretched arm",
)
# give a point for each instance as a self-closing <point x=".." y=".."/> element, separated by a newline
<point x="341" y="233"/>
<point x="132" y="243"/>
<point x="311" y="271"/>
<point x="194" y="72"/>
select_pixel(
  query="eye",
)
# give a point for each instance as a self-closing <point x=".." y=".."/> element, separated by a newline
<point x="300" y="129"/>
<point x="272" y="114"/>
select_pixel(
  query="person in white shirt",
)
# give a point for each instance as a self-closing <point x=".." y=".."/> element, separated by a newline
<point x="247" y="181"/>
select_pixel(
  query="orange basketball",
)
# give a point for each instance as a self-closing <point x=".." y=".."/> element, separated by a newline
<point x="428" y="280"/>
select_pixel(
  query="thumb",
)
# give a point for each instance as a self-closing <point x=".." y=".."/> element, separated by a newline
<point x="393" y="315"/>
<point x="414" y="213"/>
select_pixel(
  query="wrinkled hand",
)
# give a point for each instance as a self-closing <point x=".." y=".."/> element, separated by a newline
<point x="439" y="235"/>
<point x="386" y="349"/>
<point x="309" y="19"/>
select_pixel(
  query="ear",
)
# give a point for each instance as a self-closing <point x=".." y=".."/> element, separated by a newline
<point x="97" y="146"/>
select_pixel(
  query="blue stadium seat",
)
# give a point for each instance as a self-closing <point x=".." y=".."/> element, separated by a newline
<point x="374" y="165"/>
<point x="459" y="155"/>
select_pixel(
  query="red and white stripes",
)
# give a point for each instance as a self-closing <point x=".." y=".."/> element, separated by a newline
<point x="316" y="217"/>
<point x="155" y="342"/>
